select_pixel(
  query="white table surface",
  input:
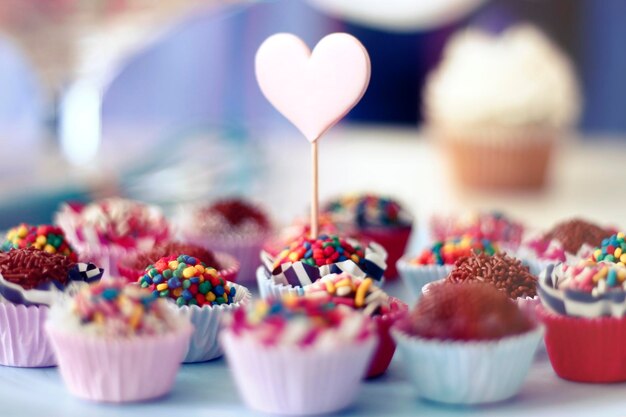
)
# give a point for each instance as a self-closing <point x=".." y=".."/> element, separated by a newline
<point x="399" y="162"/>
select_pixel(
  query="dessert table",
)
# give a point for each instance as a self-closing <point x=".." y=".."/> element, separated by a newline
<point x="399" y="162"/>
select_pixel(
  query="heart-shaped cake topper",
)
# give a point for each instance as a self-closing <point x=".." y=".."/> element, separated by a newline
<point x="313" y="90"/>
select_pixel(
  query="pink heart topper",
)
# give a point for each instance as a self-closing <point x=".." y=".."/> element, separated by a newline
<point x="313" y="90"/>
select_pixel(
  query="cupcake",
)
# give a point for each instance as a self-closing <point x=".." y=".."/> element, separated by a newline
<point x="437" y="261"/>
<point x="467" y="344"/>
<point x="486" y="104"/>
<point x="132" y="266"/>
<point x="117" y="343"/>
<point x="362" y="294"/>
<point x="30" y="280"/>
<point x="584" y="310"/>
<point x="306" y="260"/>
<point x="501" y="271"/>
<point x="107" y="230"/>
<point x="491" y="225"/>
<point x="298" y="356"/>
<point x="567" y="241"/>
<point x="201" y="294"/>
<point x="374" y="218"/>
<point x="233" y="226"/>
<point x="43" y="237"/>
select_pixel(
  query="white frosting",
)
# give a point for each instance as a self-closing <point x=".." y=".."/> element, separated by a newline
<point x="517" y="79"/>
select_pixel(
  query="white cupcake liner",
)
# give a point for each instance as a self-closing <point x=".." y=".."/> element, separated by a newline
<point x="204" y="344"/>
<point x="23" y="341"/>
<point x="463" y="372"/>
<point x="415" y="277"/>
<point x="270" y="289"/>
<point x="119" y="370"/>
<point x="291" y="380"/>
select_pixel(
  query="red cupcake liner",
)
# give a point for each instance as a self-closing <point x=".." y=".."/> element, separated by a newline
<point x="386" y="345"/>
<point x="229" y="267"/>
<point x="585" y="350"/>
<point x="394" y="240"/>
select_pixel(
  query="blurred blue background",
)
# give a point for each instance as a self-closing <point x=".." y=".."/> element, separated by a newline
<point x="201" y="73"/>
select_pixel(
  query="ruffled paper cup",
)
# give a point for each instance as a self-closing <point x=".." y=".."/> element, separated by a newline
<point x="415" y="277"/>
<point x="204" y="344"/>
<point x="386" y="346"/>
<point x="119" y="370"/>
<point x="268" y="288"/>
<point x="393" y="239"/>
<point x="467" y="372"/>
<point x="23" y="341"/>
<point x="228" y="267"/>
<point x="585" y="349"/>
<point x="290" y="380"/>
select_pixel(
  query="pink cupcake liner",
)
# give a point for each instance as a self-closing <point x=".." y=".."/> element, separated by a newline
<point x="394" y="240"/>
<point x="204" y="344"/>
<point x="296" y="381"/>
<point x="245" y="250"/>
<point x="229" y="268"/>
<point x="23" y="341"/>
<point x="100" y="369"/>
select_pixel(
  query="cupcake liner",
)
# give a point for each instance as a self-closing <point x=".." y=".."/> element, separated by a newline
<point x="386" y="346"/>
<point x="462" y="372"/>
<point x="206" y="320"/>
<point x="270" y="289"/>
<point x="585" y="349"/>
<point x="499" y="158"/>
<point x="245" y="250"/>
<point x="292" y="380"/>
<point x="415" y="277"/>
<point x="393" y="239"/>
<point x="23" y="341"/>
<point x="229" y="268"/>
<point x="123" y="370"/>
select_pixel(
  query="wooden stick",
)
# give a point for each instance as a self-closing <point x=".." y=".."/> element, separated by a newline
<point x="314" y="194"/>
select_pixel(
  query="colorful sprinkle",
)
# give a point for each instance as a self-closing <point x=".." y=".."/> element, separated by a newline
<point x="325" y="250"/>
<point x="448" y="252"/>
<point x="47" y="238"/>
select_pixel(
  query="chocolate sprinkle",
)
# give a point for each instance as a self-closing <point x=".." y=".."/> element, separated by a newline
<point x="574" y="233"/>
<point x="30" y="267"/>
<point x="500" y="270"/>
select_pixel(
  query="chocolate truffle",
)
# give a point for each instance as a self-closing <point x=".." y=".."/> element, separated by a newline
<point x="574" y="233"/>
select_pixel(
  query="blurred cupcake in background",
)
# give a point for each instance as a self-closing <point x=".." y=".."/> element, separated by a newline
<point x="133" y="266"/>
<point x="498" y="104"/>
<point x="298" y="356"/>
<point x="568" y="241"/>
<point x="30" y="281"/>
<point x="467" y="344"/>
<point x="494" y="226"/>
<point x="106" y="230"/>
<point x="438" y="260"/>
<point x="375" y="218"/>
<point x="234" y="226"/>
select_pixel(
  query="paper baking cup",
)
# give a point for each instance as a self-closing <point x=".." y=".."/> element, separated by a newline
<point x="270" y="289"/>
<point x="394" y="240"/>
<point x="386" y="346"/>
<point x="415" y="277"/>
<point x="23" y="341"/>
<point x="229" y="268"/>
<point x="296" y="381"/>
<point x="585" y="349"/>
<point x="460" y="372"/>
<point x="204" y="344"/>
<point x="119" y="370"/>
